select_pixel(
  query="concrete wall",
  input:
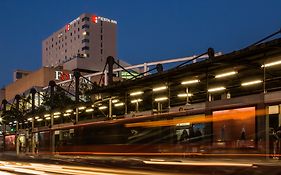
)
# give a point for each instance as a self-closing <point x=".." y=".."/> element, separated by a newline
<point x="39" y="78"/>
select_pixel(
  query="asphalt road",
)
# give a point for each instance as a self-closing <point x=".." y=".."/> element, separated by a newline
<point x="103" y="165"/>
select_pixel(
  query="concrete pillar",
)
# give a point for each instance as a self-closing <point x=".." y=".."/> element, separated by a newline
<point x="187" y="97"/>
<point x="105" y="78"/>
<point x="145" y="69"/>
<point x="17" y="139"/>
<point x="76" y="115"/>
<point x="110" y="108"/>
<point x="279" y="115"/>
<point x="32" y="137"/>
<point x="52" y="133"/>
<point x="267" y="151"/>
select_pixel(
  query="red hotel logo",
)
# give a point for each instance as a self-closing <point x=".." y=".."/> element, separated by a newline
<point x="62" y="76"/>
<point x="95" y="19"/>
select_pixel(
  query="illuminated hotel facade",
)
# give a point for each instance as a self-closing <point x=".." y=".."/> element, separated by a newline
<point x="88" y="39"/>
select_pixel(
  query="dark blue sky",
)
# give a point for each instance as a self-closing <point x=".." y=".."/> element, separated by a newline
<point x="147" y="29"/>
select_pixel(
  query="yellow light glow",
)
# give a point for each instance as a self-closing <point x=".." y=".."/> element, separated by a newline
<point x="82" y="108"/>
<point x="115" y="101"/>
<point x="272" y="64"/>
<point x="190" y="82"/>
<point x="216" y="89"/>
<point x="119" y="104"/>
<point x="251" y="83"/>
<point x="159" y="88"/>
<point x="185" y="95"/>
<point x="161" y="99"/>
<point x="136" y="93"/>
<point x="69" y="110"/>
<point x="102" y="107"/>
<point x="136" y="101"/>
<point x="89" y="110"/>
<point x="226" y="74"/>
<point x="57" y="113"/>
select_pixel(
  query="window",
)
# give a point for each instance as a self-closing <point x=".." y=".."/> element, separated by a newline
<point x="101" y="37"/>
<point x="101" y="51"/>
<point x="47" y="49"/>
<point x="85" y="40"/>
<point x="85" y="26"/>
<point x="86" y="18"/>
<point x="71" y="34"/>
<point x="85" y="48"/>
<point x="78" y="36"/>
<point x="65" y="50"/>
<point x="85" y="33"/>
<point x="78" y="29"/>
<point x="100" y="44"/>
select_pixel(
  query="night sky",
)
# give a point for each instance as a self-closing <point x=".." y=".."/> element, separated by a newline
<point x="147" y="29"/>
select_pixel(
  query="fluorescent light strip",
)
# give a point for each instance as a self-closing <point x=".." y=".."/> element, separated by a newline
<point x="69" y="110"/>
<point x="137" y="100"/>
<point x="82" y="108"/>
<point x="102" y="107"/>
<point x="119" y="104"/>
<point x="67" y="114"/>
<point x="48" y="118"/>
<point x="56" y="116"/>
<point x="251" y="83"/>
<point x="57" y="113"/>
<point x="39" y="120"/>
<point x="190" y="82"/>
<point x="272" y="64"/>
<point x="89" y="110"/>
<point x="136" y="93"/>
<point x="185" y="95"/>
<point x="46" y="115"/>
<point x="115" y="101"/>
<point x="226" y="74"/>
<point x="216" y="89"/>
<point x="159" y="88"/>
<point x="161" y="99"/>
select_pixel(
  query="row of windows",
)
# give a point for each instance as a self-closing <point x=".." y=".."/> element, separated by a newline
<point x="65" y="44"/>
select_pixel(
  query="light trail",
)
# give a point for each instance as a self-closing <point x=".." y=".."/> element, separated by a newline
<point x="15" y="168"/>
